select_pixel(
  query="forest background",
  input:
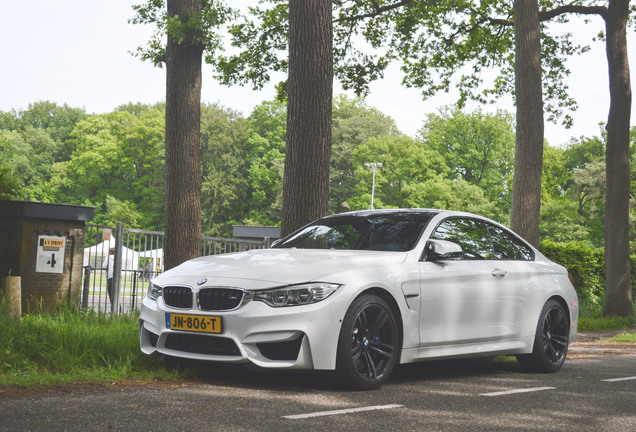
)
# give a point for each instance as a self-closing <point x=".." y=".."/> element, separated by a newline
<point x="458" y="160"/>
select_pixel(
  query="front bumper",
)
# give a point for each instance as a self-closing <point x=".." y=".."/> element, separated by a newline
<point x="295" y="337"/>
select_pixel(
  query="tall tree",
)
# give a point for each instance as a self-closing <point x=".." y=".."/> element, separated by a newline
<point x="310" y="92"/>
<point x="188" y="25"/>
<point x="618" y="295"/>
<point x="526" y="187"/>
<point x="618" y="289"/>
<point x="184" y="54"/>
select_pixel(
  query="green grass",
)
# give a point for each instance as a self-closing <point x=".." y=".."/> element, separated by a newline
<point x="599" y="324"/>
<point x="71" y="345"/>
<point x="591" y="319"/>
<point x="625" y="337"/>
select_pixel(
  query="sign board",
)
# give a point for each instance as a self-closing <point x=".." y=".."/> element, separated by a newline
<point x="50" y="257"/>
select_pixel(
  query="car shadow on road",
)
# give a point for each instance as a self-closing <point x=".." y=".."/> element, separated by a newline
<point x="454" y="369"/>
<point x="251" y="377"/>
<point x="240" y="376"/>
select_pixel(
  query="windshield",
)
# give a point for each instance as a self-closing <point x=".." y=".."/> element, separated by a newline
<point x="372" y="231"/>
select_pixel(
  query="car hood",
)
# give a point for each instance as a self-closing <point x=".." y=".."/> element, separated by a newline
<point x="266" y="268"/>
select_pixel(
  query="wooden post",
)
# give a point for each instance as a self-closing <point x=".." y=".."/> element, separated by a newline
<point x="12" y="288"/>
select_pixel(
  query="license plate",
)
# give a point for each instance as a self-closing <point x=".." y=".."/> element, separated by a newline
<point x="196" y="323"/>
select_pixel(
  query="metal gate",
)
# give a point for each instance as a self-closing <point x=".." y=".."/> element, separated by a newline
<point x="137" y="258"/>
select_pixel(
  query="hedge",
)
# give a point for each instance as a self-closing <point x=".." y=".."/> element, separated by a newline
<point x="586" y="265"/>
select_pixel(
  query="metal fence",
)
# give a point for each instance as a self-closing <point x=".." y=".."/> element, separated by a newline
<point x="137" y="258"/>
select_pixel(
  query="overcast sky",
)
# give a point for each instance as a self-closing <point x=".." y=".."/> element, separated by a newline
<point x="77" y="52"/>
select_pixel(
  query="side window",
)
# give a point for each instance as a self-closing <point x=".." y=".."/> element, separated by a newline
<point x="470" y="234"/>
<point x="508" y="247"/>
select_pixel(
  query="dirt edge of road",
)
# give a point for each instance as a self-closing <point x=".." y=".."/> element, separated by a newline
<point x="596" y="344"/>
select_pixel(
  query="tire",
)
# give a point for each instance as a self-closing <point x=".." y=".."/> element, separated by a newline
<point x="368" y="345"/>
<point x="550" y="341"/>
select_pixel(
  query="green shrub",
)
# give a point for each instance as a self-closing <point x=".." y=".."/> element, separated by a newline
<point x="585" y="264"/>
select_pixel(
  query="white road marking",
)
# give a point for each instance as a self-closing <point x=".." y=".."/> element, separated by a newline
<point x="343" y="411"/>
<point x="619" y="379"/>
<point x="509" y="392"/>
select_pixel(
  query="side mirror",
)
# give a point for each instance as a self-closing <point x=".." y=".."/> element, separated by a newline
<point x="439" y="250"/>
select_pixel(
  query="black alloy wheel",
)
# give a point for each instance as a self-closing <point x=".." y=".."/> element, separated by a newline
<point x="368" y="344"/>
<point x="551" y="340"/>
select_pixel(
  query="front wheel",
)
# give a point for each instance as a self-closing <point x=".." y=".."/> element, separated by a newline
<point x="550" y="342"/>
<point x="368" y="344"/>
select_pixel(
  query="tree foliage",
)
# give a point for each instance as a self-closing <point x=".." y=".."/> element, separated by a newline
<point x="405" y="162"/>
<point x="120" y="155"/>
<point x="8" y="182"/>
<point x="478" y="146"/>
<point x="354" y="124"/>
<point x="266" y="148"/>
<point x="224" y="162"/>
<point x="32" y="141"/>
<point x="117" y="157"/>
<point x="439" y="44"/>
<point x="201" y="29"/>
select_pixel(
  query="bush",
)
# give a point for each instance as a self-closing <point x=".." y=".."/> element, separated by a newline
<point x="587" y="266"/>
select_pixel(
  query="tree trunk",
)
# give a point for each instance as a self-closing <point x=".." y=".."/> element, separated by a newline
<point x="183" y="162"/>
<point x="526" y="186"/>
<point x="310" y="92"/>
<point x="618" y="290"/>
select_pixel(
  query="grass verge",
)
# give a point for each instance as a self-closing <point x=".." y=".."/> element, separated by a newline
<point x="599" y="324"/>
<point x="591" y="319"/>
<point x="624" y="337"/>
<point x="72" y="345"/>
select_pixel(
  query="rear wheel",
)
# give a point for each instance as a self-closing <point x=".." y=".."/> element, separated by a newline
<point x="550" y="342"/>
<point x="368" y="344"/>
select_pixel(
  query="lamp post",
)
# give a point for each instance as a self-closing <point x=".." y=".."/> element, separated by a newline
<point x="373" y="166"/>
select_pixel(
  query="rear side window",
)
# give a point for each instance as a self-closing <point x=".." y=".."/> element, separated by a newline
<point x="508" y="247"/>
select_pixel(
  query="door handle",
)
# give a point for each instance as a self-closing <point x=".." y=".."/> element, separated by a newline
<point x="499" y="273"/>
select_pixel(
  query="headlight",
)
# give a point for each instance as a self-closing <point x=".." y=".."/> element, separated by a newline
<point x="296" y="295"/>
<point x="155" y="291"/>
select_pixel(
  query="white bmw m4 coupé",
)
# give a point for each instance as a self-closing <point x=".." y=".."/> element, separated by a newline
<point x="360" y="292"/>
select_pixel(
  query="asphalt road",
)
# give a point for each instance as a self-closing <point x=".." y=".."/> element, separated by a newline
<point x="588" y="394"/>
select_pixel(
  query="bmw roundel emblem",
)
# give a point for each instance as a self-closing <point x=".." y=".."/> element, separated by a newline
<point x="202" y="281"/>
